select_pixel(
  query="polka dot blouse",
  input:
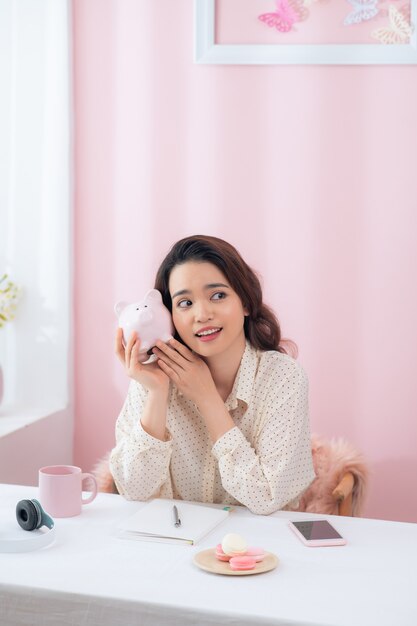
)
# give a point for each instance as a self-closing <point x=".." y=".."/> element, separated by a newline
<point x="264" y="462"/>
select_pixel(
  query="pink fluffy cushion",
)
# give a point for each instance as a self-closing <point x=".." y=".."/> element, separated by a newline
<point x="332" y="459"/>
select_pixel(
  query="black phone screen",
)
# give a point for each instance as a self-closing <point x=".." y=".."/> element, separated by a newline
<point x="320" y="529"/>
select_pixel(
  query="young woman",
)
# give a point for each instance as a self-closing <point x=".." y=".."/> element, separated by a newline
<point x="222" y="414"/>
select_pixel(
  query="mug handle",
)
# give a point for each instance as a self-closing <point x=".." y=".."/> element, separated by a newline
<point x="86" y="476"/>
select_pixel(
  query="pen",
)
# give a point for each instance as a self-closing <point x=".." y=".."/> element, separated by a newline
<point x="177" y="521"/>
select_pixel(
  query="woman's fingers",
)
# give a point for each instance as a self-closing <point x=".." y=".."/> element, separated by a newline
<point x="169" y="356"/>
<point x="169" y="371"/>
<point x="133" y="356"/>
<point x="118" y="345"/>
<point x="128" y="349"/>
<point x="173" y="364"/>
<point x="174" y="351"/>
<point x="183" y="350"/>
<point x="136" y="356"/>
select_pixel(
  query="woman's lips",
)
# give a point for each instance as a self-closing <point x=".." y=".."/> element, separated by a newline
<point x="210" y="337"/>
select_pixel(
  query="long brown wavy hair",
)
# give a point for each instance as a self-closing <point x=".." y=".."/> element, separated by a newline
<point x="261" y="326"/>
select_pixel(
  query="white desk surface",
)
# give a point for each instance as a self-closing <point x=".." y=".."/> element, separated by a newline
<point x="89" y="576"/>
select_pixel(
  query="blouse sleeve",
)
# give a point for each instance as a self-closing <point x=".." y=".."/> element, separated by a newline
<point x="278" y="467"/>
<point x="139" y="462"/>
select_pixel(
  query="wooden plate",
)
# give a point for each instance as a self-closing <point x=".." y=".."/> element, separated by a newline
<point x="207" y="561"/>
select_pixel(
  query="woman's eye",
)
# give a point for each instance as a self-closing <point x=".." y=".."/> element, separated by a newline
<point x="220" y="295"/>
<point x="184" y="304"/>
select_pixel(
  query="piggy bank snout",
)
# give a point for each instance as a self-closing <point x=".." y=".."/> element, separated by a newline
<point x="145" y="316"/>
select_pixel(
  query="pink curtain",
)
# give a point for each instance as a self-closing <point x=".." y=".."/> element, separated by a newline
<point x="308" y="171"/>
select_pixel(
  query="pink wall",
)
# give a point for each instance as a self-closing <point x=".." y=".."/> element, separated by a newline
<point x="309" y="171"/>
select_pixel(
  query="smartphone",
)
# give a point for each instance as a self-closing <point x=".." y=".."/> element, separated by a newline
<point x="317" y="533"/>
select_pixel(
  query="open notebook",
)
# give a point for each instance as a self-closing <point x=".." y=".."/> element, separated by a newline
<point x="155" y="522"/>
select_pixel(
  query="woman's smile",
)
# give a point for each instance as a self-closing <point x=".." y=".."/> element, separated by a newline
<point x="209" y="333"/>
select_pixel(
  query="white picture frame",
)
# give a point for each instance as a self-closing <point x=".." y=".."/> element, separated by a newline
<point x="208" y="52"/>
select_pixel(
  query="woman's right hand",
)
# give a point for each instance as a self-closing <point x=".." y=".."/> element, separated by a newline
<point x="149" y="376"/>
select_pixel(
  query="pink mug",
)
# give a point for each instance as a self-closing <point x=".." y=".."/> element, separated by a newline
<point x="61" y="487"/>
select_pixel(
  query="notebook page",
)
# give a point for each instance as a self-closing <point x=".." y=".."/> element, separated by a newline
<point x="156" y="520"/>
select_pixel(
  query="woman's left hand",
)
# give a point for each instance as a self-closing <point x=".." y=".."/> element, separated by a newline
<point x="189" y="373"/>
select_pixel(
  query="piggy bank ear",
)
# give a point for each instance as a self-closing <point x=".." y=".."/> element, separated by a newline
<point x="154" y="295"/>
<point x="119" y="306"/>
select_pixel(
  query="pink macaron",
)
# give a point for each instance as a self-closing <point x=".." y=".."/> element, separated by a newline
<point x="257" y="553"/>
<point x="241" y="563"/>
<point x="220" y="555"/>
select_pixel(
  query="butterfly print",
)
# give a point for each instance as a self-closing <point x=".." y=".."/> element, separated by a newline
<point x="286" y="14"/>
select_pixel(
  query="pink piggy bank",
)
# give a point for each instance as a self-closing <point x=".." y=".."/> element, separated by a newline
<point x="149" y="318"/>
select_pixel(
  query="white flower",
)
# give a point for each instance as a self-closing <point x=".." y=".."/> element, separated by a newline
<point x="9" y="297"/>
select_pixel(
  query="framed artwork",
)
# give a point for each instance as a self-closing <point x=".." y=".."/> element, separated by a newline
<point x="328" y="32"/>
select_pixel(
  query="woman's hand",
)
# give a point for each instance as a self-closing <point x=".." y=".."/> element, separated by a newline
<point x="150" y="376"/>
<point x="189" y="373"/>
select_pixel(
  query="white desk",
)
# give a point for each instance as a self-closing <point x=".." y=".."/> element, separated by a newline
<point x="91" y="577"/>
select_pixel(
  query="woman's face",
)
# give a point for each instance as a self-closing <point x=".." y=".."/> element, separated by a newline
<point x="207" y="313"/>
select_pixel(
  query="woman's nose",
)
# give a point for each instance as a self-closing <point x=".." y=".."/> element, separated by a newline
<point x="202" y="311"/>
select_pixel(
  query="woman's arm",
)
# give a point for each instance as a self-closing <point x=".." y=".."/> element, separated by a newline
<point x="140" y="460"/>
<point x="279" y="467"/>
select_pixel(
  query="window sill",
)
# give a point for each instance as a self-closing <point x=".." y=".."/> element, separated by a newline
<point x="16" y="418"/>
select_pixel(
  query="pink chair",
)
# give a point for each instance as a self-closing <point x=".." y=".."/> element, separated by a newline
<point x="339" y="487"/>
<point x="341" y="481"/>
<point x="101" y="471"/>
